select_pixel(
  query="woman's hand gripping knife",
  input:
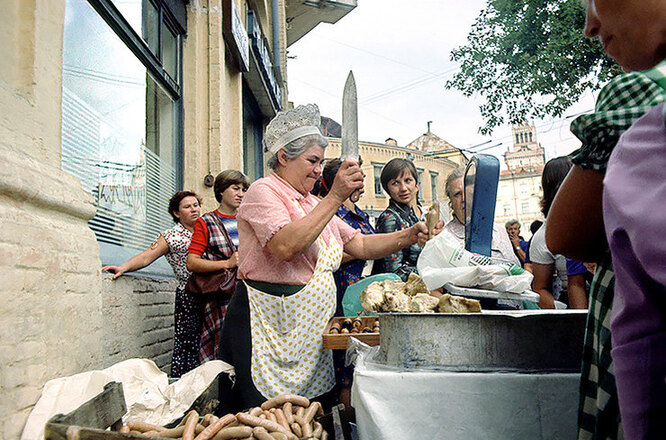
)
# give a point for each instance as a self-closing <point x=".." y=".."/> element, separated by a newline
<point x="348" y="179"/>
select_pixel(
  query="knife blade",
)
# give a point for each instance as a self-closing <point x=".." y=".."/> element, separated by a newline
<point x="349" y="148"/>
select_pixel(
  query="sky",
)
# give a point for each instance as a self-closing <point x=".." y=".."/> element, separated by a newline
<point x="400" y="54"/>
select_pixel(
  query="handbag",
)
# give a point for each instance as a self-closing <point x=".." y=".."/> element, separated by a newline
<point x="220" y="284"/>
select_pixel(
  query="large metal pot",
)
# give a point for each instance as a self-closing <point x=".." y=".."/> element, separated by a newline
<point x="521" y="340"/>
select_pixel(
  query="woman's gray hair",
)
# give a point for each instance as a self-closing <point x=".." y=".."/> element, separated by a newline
<point x="455" y="174"/>
<point x="297" y="147"/>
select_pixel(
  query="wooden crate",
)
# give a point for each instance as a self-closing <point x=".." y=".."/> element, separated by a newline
<point x="339" y="341"/>
<point x="92" y="420"/>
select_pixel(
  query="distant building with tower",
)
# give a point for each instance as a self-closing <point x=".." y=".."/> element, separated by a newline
<point x="519" y="190"/>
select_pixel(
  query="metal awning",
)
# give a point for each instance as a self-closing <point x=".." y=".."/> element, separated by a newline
<point x="305" y="15"/>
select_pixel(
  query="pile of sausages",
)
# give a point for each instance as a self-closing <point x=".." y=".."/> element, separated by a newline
<point x="285" y="417"/>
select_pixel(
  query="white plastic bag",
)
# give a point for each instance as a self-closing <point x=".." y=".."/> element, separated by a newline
<point x="445" y="260"/>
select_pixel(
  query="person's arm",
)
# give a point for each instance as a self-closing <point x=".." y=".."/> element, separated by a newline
<point x="515" y="242"/>
<point x="576" y="291"/>
<point x="575" y="220"/>
<point x="145" y="258"/>
<point x="198" y="245"/>
<point x="197" y="264"/>
<point x="294" y="238"/>
<point x="543" y="283"/>
<point x="374" y="246"/>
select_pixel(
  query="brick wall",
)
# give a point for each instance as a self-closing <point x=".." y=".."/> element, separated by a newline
<point x="138" y="319"/>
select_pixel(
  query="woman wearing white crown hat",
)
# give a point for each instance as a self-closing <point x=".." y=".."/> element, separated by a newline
<point x="292" y="244"/>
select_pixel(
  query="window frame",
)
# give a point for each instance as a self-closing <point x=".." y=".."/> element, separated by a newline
<point x="434" y="191"/>
<point x="152" y="62"/>
<point x="376" y="166"/>
<point x="419" y="179"/>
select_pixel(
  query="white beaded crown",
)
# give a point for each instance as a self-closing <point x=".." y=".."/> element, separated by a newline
<point x="289" y="125"/>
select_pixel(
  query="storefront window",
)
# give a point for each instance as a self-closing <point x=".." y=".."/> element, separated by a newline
<point x="120" y="135"/>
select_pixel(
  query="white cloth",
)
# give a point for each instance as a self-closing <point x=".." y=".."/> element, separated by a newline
<point x="148" y="395"/>
<point x="402" y="405"/>
<point x="540" y="254"/>
<point x="501" y="246"/>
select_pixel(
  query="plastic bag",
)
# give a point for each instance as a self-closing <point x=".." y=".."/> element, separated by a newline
<point x="445" y="260"/>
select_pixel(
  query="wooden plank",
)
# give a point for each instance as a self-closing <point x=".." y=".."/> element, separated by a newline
<point x="57" y="431"/>
<point x="102" y="411"/>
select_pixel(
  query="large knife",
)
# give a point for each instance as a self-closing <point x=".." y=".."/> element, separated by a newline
<point x="349" y="120"/>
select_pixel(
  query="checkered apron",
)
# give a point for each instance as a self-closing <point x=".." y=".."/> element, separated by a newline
<point x="287" y="351"/>
<point x="220" y="247"/>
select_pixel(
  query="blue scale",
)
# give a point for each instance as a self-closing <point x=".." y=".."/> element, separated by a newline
<point x="481" y="179"/>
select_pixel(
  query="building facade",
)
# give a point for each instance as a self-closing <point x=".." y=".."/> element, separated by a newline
<point x="432" y="171"/>
<point x="109" y="107"/>
<point x="519" y="190"/>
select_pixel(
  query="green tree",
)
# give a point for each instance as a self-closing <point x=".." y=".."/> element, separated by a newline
<point x="529" y="59"/>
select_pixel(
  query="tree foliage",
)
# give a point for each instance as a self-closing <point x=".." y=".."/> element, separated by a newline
<point x="529" y="59"/>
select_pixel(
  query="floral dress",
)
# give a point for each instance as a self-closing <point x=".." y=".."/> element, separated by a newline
<point x="188" y="309"/>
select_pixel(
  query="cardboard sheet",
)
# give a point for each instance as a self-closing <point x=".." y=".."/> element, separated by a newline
<point x="148" y="395"/>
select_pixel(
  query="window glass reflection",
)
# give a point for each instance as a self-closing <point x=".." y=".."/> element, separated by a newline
<point x="144" y="19"/>
<point x="169" y="51"/>
<point x="119" y="135"/>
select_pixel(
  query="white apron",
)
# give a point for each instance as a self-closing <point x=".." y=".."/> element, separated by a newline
<point x="286" y="331"/>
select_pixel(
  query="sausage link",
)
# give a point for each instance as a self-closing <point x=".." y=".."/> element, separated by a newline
<point x="288" y="414"/>
<point x="257" y="421"/>
<point x="213" y="428"/>
<point x="311" y="411"/>
<point x="281" y="419"/>
<point x="318" y="429"/>
<point x="284" y="398"/>
<point x="270" y="416"/>
<point x="137" y="425"/>
<point x="233" y="432"/>
<point x="190" y="425"/>
<point x="176" y="432"/>
<point x="296" y="429"/>
<point x="256" y="411"/>
<point x="307" y="429"/>
<point x="261" y="434"/>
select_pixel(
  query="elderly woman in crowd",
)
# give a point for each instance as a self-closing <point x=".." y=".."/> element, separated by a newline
<point x="185" y="208"/>
<point x="292" y="242"/>
<point x="629" y="174"/>
<point x="214" y="246"/>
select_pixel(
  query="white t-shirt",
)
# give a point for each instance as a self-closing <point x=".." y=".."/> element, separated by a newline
<point x="539" y="253"/>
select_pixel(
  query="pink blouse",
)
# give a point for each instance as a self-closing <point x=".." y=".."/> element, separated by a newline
<point x="267" y="207"/>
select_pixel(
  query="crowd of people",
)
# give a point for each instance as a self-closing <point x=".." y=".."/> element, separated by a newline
<point x="296" y="240"/>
